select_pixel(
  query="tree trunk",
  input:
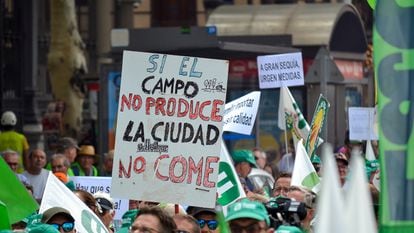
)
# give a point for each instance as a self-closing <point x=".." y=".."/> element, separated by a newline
<point x="66" y="62"/>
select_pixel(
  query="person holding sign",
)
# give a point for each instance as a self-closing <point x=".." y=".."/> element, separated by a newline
<point x="153" y="220"/>
<point x="350" y="145"/>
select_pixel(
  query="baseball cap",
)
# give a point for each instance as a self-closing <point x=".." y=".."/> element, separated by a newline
<point x="247" y="209"/>
<point x="194" y="211"/>
<point x="288" y="229"/>
<point x="41" y="228"/>
<point x="127" y="219"/>
<point x="170" y="208"/>
<point x="33" y="219"/>
<point x="104" y="200"/>
<point x="244" y="156"/>
<point x="371" y="166"/>
<point x="342" y="157"/>
<point x="68" y="142"/>
<point x="49" y="213"/>
<point x="316" y="159"/>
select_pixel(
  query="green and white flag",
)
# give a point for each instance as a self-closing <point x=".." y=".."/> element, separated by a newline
<point x="290" y="117"/>
<point x="394" y="69"/>
<point x="57" y="194"/>
<point x="318" y="121"/>
<point x="304" y="173"/>
<point x="229" y="188"/>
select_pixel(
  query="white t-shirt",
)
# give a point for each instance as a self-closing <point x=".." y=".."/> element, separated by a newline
<point x="38" y="182"/>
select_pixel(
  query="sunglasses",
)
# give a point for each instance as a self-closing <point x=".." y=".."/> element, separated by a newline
<point x="66" y="226"/>
<point x="211" y="224"/>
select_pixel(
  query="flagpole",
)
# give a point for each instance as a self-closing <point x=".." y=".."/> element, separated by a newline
<point x="286" y="140"/>
<point x="369" y="124"/>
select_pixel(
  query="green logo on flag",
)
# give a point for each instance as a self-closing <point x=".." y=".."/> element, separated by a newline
<point x="311" y="180"/>
<point x="302" y="122"/>
<point x="227" y="185"/>
<point x="89" y="221"/>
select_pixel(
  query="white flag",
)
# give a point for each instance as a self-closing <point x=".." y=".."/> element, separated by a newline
<point x="58" y="195"/>
<point x="359" y="214"/>
<point x="330" y="204"/>
<point x="229" y="188"/>
<point x="304" y="174"/>
<point x="369" y="152"/>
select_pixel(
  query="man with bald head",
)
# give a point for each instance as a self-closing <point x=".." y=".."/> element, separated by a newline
<point x="36" y="174"/>
<point x="12" y="159"/>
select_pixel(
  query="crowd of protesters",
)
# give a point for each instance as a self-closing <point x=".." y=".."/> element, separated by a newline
<point x="251" y="214"/>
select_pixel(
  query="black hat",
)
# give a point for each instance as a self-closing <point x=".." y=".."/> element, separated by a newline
<point x="105" y="203"/>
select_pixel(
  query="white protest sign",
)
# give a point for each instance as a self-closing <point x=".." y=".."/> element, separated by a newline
<point x="240" y="114"/>
<point x="58" y="195"/>
<point x="361" y="123"/>
<point x="169" y="127"/>
<point x="280" y="70"/>
<point x="93" y="184"/>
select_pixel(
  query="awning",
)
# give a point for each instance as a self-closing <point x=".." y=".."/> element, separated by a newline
<point x="337" y="26"/>
<point x="198" y="42"/>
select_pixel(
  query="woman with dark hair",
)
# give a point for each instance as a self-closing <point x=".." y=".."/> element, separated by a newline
<point x="89" y="201"/>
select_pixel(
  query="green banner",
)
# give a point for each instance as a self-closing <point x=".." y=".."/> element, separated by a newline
<point x="13" y="194"/>
<point x="394" y="69"/>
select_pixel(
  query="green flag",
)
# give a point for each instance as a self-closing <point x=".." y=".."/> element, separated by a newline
<point x="14" y="195"/>
<point x="223" y="225"/>
<point x="4" y="219"/>
<point x="394" y="69"/>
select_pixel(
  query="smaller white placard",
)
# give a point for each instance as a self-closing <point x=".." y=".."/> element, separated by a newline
<point x="280" y="70"/>
<point x="240" y="114"/>
<point x="361" y="123"/>
<point x="95" y="184"/>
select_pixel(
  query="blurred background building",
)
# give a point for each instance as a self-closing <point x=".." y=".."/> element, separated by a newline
<point x="334" y="37"/>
